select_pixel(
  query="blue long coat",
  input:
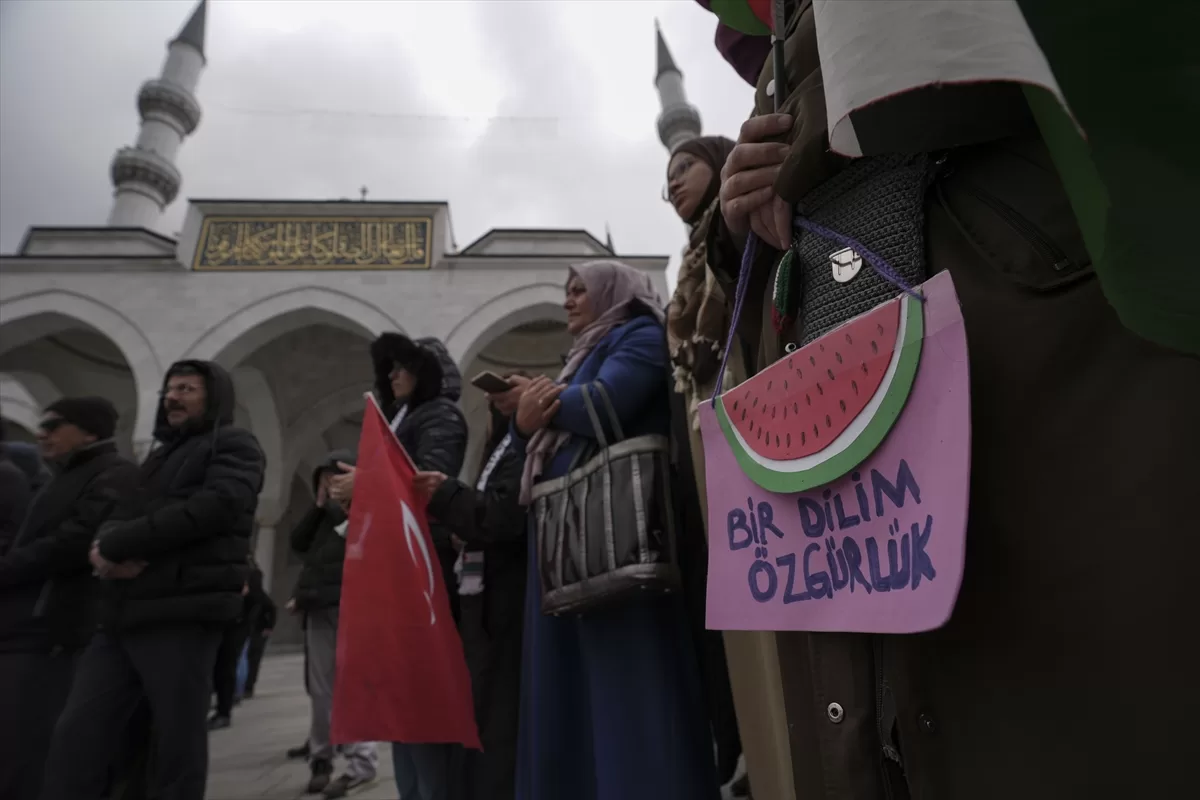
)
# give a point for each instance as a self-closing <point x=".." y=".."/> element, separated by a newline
<point x="611" y="704"/>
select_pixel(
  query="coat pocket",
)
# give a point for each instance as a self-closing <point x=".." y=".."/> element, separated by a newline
<point x="1007" y="200"/>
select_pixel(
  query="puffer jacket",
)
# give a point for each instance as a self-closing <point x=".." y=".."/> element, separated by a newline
<point x="317" y="541"/>
<point x="200" y="488"/>
<point x="434" y="429"/>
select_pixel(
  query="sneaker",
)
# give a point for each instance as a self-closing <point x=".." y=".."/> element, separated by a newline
<point x="322" y="771"/>
<point x="342" y="786"/>
<point x="300" y="753"/>
<point x="217" y="722"/>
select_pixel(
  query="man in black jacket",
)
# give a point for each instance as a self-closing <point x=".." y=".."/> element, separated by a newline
<point x="320" y="539"/>
<point x="15" y="493"/>
<point x="261" y="625"/>
<point x="47" y="592"/>
<point x="160" y="629"/>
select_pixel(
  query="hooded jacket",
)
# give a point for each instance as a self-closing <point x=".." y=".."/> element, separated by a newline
<point x="434" y="430"/>
<point x="15" y="493"/>
<point x="200" y="488"/>
<point x="317" y="541"/>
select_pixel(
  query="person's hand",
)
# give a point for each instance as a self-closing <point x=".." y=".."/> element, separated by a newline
<point x="290" y="605"/>
<point x="506" y="402"/>
<point x="426" y="483"/>
<point x="127" y="570"/>
<point x="100" y="564"/>
<point x="341" y="487"/>
<point x="322" y="495"/>
<point x="748" y="198"/>
<point x="245" y="589"/>
<point x="538" y="405"/>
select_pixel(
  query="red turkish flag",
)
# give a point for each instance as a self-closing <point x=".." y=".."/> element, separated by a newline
<point x="401" y="674"/>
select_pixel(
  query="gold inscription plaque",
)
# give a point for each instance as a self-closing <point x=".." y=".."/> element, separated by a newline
<point x="239" y="243"/>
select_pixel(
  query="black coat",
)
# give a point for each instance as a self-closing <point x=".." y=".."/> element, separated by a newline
<point x="201" y="489"/>
<point x="434" y="430"/>
<point x="47" y="592"/>
<point x="316" y="540"/>
<point x="15" y="494"/>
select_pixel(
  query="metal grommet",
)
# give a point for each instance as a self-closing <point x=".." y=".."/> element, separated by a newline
<point x="790" y="347"/>
<point x="771" y="88"/>
<point x="835" y="713"/>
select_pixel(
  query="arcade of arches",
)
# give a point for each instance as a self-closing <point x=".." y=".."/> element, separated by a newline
<point x="294" y="340"/>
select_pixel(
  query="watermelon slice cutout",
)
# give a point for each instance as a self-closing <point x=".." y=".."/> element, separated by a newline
<point x="817" y="413"/>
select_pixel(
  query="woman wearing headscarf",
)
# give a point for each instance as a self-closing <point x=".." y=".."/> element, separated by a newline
<point x="611" y="706"/>
<point x="697" y="326"/>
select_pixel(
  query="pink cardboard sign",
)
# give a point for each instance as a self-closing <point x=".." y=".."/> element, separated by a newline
<point x="838" y="478"/>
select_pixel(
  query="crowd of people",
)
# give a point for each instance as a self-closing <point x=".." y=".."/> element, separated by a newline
<point x="129" y="593"/>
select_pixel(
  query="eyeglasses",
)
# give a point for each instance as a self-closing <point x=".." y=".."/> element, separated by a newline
<point x="51" y="425"/>
<point x="184" y="389"/>
<point x="675" y="175"/>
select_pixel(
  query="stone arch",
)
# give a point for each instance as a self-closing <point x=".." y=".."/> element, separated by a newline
<point x="23" y="395"/>
<point x="515" y="307"/>
<point x="39" y="314"/>
<point x="254" y="395"/>
<point x="245" y="330"/>
<point x="318" y="418"/>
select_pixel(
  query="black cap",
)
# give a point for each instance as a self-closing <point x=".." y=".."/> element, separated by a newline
<point x="94" y="415"/>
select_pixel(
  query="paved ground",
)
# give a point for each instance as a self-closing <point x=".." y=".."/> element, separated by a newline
<point x="247" y="762"/>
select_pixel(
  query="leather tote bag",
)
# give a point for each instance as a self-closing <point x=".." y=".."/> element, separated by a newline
<point x="606" y="529"/>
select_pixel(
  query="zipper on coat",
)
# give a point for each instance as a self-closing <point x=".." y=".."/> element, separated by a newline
<point x="1053" y="255"/>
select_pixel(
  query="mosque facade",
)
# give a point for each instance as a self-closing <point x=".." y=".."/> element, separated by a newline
<point x="285" y="294"/>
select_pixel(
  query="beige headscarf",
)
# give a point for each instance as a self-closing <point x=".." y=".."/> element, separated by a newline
<point x="617" y="292"/>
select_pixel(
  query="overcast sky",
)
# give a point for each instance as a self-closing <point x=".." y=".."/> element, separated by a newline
<point x="520" y="113"/>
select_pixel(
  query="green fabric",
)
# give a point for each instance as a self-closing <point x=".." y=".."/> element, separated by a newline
<point x="1131" y="75"/>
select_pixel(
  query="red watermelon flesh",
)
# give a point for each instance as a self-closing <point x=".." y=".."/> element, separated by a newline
<point x="801" y="403"/>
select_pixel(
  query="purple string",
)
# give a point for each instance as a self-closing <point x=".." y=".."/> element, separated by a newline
<point x="877" y="262"/>
<point x="748" y="253"/>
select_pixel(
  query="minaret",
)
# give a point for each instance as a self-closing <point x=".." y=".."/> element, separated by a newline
<point x="679" y="120"/>
<point x="144" y="175"/>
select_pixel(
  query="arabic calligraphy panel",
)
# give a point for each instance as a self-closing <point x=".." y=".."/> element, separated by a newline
<point x="240" y="243"/>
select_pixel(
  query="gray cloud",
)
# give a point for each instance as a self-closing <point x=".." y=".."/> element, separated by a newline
<point x="519" y="114"/>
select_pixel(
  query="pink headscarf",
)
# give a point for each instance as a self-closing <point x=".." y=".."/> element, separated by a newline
<point x="617" y="292"/>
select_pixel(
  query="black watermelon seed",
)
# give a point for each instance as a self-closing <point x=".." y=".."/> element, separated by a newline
<point x="760" y="434"/>
<point x="785" y="412"/>
<point x="789" y="440"/>
<point x="838" y="355"/>
<point x="822" y="347"/>
<point x="829" y="372"/>
<point x="803" y="437"/>
<point x="789" y="362"/>
<point x="812" y="361"/>
<point x="828" y="422"/>
<point x="785" y="386"/>
<point x="796" y="407"/>
<point x="743" y="415"/>
<point x="751" y="424"/>
<point x="800" y="373"/>
<point x="864" y="368"/>
<point x="820" y="391"/>
<point x="854" y="386"/>
<point x="769" y="383"/>
<point x="874" y="347"/>
<point x="735" y="405"/>
<point x="842" y="403"/>
<point x="879" y="328"/>
<point x="848" y="339"/>
<point x="773" y="412"/>
<point x="816" y="431"/>
<point x="756" y="399"/>
<point x="808" y="399"/>
<point x="777" y="440"/>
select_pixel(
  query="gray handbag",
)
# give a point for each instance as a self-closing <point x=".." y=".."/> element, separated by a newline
<point x="606" y="529"/>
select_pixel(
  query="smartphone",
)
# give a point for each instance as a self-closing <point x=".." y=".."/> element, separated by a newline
<point x="490" y="382"/>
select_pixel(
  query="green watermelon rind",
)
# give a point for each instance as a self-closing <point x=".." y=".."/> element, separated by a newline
<point x="892" y="404"/>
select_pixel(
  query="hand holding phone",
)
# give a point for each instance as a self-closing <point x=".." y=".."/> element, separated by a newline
<point x="490" y="382"/>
